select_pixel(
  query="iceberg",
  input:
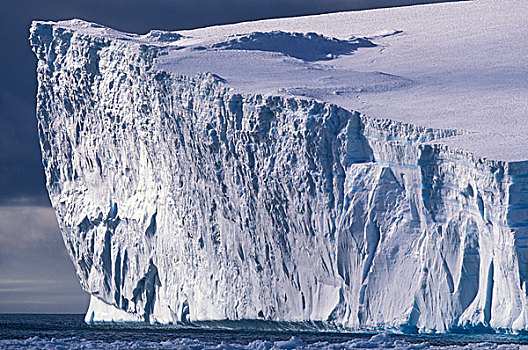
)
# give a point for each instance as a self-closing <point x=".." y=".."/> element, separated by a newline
<point x="325" y="171"/>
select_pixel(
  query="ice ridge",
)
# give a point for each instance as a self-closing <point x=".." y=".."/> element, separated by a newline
<point x="308" y="47"/>
<point x="182" y="201"/>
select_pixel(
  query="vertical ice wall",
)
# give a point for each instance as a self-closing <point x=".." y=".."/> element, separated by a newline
<point x="179" y="201"/>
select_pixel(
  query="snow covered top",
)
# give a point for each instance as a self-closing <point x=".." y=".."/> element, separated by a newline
<point x="460" y="65"/>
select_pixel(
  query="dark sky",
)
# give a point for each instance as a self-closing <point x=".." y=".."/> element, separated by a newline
<point x="35" y="272"/>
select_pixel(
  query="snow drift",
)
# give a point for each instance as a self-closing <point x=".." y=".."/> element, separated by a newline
<point x="308" y="47"/>
<point x="180" y="200"/>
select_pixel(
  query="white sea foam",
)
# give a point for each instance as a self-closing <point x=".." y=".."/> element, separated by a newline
<point x="380" y="341"/>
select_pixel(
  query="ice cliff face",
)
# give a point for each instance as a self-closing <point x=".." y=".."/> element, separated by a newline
<point x="181" y="201"/>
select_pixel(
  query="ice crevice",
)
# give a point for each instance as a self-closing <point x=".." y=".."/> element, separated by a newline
<point x="180" y="200"/>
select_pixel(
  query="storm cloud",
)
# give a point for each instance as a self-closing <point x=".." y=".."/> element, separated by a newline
<point x="36" y="274"/>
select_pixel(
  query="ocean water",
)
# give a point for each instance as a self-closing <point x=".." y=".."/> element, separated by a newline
<point x="46" y="331"/>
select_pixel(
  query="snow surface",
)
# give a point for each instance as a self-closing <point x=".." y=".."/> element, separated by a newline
<point x="265" y="189"/>
<point x="454" y="65"/>
<point x="381" y="341"/>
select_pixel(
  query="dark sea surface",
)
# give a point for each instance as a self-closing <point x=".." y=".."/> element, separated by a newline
<point x="48" y="331"/>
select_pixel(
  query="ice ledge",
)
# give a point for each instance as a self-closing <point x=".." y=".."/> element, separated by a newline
<point x="478" y="91"/>
<point x="154" y="38"/>
<point x="101" y="312"/>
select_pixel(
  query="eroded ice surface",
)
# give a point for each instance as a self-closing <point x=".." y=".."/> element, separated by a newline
<point x="266" y="189"/>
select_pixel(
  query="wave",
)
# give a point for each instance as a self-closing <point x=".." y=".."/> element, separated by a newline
<point x="379" y="341"/>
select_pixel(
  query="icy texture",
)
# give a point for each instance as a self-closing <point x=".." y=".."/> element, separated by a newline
<point x="180" y="200"/>
<point x="380" y="341"/>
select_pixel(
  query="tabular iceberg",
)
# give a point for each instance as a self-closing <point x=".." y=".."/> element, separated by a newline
<point x="181" y="199"/>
